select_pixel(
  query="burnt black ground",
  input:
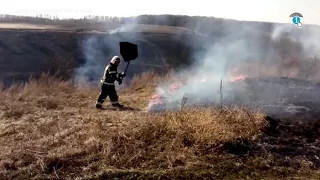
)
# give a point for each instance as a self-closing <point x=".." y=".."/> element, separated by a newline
<point x="284" y="98"/>
<point x="280" y="98"/>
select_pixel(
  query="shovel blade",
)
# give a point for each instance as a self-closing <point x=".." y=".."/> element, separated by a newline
<point x="128" y="51"/>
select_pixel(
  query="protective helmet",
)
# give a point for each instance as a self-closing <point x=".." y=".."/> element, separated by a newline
<point x="115" y="60"/>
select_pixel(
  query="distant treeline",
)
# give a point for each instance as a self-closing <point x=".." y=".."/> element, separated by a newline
<point x="207" y="25"/>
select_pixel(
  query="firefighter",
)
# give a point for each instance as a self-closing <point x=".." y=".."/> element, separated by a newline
<point x="107" y="83"/>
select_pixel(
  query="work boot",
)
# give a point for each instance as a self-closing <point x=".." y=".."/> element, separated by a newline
<point x="98" y="106"/>
<point x="117" y="105"/>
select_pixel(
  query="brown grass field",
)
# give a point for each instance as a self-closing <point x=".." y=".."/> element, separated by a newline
<point x="51" y="130"/>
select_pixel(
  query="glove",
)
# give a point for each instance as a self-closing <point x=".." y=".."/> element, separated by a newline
<point x="120" y="81"/>
<point x="123" y="74"/>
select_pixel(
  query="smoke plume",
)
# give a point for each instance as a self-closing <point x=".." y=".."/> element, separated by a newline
<point x="222" y="56"/>
<point x="98" y="49"/>
<point x="225" y="52"/>
<point x="251" y="51"/>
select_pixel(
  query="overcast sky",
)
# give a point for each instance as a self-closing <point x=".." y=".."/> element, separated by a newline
<point x="257" y="10"/>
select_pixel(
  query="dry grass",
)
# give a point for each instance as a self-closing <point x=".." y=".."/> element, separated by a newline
<point x="48" y="129"/>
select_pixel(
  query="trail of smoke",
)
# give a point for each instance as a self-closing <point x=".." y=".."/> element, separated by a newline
<point x="285" y="48"/>
<point x="90" y="67"/>
<point x="98" y="50"/>
<point x="231" y="50"/>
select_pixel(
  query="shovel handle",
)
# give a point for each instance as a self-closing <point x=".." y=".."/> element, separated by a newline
<point x="127" y="67"/>
<point x="125" y="71"/>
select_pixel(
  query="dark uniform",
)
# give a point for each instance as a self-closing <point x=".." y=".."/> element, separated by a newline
<point x="107" y="83"/>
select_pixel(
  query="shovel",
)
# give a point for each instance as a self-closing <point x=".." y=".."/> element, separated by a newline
<point x="129" y="52"/>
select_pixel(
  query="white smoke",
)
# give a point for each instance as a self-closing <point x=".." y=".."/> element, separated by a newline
<point x="218" y="60"/>
<point x="306" y="52"/>
<point x="124" y="28"/>
<point x="98" y="49"/>
<point x="252" y="52"/>
<point x="307" y="36"/>
<point x="249" y="50"/>
<point x="92" y="65"/>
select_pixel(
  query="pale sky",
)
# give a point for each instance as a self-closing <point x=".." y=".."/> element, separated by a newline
<point x="256" y="10"/>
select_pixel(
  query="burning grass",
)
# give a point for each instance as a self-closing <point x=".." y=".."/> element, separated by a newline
<point x="51" y="130"/>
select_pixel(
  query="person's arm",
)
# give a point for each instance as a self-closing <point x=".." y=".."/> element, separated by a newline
<point x="115" y="75"/>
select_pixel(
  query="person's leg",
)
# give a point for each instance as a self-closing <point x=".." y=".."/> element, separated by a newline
<point x="103" y="95"/>
<point x="114" y="98"/>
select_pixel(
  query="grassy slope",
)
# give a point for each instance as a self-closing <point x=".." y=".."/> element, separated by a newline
<point x="51" y="130"/>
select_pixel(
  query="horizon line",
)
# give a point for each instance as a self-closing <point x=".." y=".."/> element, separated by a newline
<point x="85" y="16"/>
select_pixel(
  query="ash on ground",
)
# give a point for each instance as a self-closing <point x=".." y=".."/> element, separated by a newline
<point x="278" y="97"/>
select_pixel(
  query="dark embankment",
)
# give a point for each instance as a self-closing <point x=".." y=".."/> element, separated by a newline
<point x="25" y="53"/>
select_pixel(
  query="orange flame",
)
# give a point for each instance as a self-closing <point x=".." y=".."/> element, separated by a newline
<point x="175" y="87"/>
<point x="157" y="99"/>
<point x="237" y="78"/>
